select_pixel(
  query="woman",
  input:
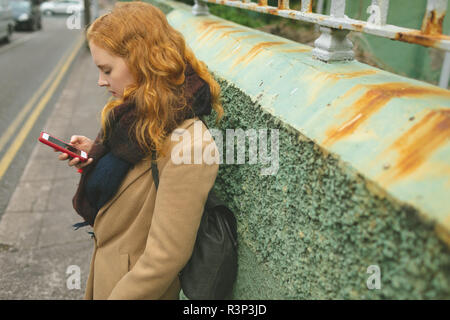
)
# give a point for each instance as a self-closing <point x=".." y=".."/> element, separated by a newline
<point x="143" y="238"/>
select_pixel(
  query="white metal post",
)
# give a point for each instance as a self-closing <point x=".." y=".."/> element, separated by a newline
<point x="445" y="73"/>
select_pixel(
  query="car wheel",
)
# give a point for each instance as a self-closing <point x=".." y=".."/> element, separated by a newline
<point x="9" y="34"/>
<point x="32" y="25"/>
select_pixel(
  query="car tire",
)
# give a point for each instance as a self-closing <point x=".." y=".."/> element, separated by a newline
<point x="7" y="39"/>
<point x="32" y="25"/>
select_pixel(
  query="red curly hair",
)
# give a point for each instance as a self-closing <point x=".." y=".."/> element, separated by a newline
<point x="156" y="55"/>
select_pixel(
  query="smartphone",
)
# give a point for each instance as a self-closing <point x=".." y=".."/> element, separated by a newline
<point x="62" y="146"/>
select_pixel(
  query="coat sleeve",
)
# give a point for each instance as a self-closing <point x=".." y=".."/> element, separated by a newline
<point x="181" y="196"/>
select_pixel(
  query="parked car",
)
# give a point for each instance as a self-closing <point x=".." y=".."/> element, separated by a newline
<point x="27" y="14"/>
<point x="62" y="7"/>
<point x="6" y="21"/>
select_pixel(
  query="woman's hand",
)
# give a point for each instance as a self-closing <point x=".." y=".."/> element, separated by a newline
<point x="82" y="143"/>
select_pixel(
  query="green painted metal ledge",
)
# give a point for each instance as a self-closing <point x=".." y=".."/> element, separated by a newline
<point x="393" y="130"/>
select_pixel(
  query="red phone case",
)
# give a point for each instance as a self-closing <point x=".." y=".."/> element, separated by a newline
<point x="83" y="156"/>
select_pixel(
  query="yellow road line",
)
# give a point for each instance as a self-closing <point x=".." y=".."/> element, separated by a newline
<point x="30" y="104"/>
<point x="26" y="128"/>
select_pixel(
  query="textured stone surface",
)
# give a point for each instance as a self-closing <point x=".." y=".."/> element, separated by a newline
<point x="316" y="226"/>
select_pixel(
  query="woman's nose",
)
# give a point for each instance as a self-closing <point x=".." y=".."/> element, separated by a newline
<point x="102" y="82"/>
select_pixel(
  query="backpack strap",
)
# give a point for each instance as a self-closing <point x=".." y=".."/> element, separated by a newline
<point x="203" y="120"/>
<point x="155" y="170"/>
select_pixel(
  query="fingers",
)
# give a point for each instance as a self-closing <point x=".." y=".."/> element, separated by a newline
<point x="77" y="139"/>
<point x="63" y="156"/>
<point x="81" y="142"/>
<point x="75" y="162"/>
<point x="84" y="164"/>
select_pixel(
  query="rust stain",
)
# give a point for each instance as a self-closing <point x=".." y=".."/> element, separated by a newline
<point x="206" y="35"/>
<point x="310" y="7"/>
<point x="296" y="50"/>
<point x="207" y="27"/>
<point x="227" y="33"/>
<point x="415" y="37"/>
<point x="250" y="36"/>
<point x="273" y="11"/>
<point x="344" y="75"/>
<point x="207" y="24"/>
<point x="262" y="3"/>
<point x="358" y="27"/>
<point x="432" y="22"/>
<point x="322" y="81"/>
<point x="418" y="37"/>
<point x="223" y="27"/>
<point x="229" y="53"/>
<point x="417" y="144"/>
<point x="430" y="33"/>
<point x="283" y="5"/>
<point x="375" y="98"/>
<point x="255" y="50"/>
<point x="216" y="38"/>
<point x="350" y="75"/>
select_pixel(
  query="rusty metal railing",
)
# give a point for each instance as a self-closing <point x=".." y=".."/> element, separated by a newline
<point x="333" y="44"/>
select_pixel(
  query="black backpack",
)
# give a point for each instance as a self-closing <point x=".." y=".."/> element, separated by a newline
<point x="212" y="269"/>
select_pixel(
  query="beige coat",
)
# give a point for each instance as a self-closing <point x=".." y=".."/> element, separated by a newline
<point x="143" y="238"/>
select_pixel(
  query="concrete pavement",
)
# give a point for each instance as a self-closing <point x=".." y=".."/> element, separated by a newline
<point x="37" y="241"/>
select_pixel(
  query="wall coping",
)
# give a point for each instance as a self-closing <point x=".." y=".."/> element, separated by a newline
<point x="392" y="130"/>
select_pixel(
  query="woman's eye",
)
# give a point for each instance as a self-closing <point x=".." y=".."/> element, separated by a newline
<point x="107" y="72"/>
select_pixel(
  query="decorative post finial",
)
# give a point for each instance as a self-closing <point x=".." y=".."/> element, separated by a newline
<point x="333" y="44"/>
<point x="200" y="8"/>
